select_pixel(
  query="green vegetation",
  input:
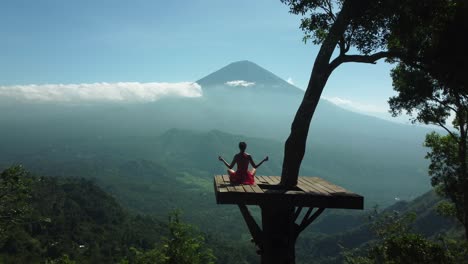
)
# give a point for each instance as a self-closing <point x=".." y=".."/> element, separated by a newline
<point x="73" y="220"/>
<point x="359" y="31"/>
<point x="431" y="85"/>
<point x="14" y="196"/>
<point x="423" y="38"/>
<point x="182" y="245"/>
<point x="343" y="231"/>
<point x="154" y="176"/>
<point x="397" y="243"/>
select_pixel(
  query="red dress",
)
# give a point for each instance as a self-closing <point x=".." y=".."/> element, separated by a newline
<point x="242" y="175"/>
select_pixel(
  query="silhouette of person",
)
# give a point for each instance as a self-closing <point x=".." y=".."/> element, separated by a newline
<point x="242" y="175"/>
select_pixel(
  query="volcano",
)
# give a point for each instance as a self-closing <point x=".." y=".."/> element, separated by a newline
<point x="246" y="75"/>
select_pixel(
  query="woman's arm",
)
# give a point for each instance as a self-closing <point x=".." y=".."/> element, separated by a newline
<point x="257" y="165"/>
<point x="227" y="164"/>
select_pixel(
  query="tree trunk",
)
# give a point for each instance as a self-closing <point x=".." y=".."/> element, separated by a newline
<point x="462" y="155"/>
<point x="295" y="145"/>
<point x="279" y="236"/>
<point x="465" y="201"/>
<point x="464" y="175"/>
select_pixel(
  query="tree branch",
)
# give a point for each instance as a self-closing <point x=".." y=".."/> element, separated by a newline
<point x="328" y="10"/>
<point x="342" y="45"/>
<point x="361" y="58"/>
<point x="446" y="129"/>
<point x="444" y="104"/>
<point x="330" y="6"/>
<point x="348" y="39"/>
<point x="348" y="43"/>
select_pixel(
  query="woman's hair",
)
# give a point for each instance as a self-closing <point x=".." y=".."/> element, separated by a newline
<point x="242" y="146"/>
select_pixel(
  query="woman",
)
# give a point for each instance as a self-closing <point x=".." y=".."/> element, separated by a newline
<point x="242" y="174"/>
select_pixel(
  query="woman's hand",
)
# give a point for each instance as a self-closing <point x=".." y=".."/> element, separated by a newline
<point x="220" y="158"/>
<point x="266" y="158"/>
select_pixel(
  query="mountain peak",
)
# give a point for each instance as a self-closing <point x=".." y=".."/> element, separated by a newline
<point x="246" y="74"/>
<point x="246" y="62"/>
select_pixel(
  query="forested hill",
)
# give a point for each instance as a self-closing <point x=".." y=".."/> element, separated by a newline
<point x="72" y="217"/>
<point x="71" y="220"/>
<point x="338" y="232"/>
<point x="378" y="169"/>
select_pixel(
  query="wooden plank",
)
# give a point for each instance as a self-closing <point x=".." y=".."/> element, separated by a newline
<point x="306" y="188"/>
<point x="335" y="187"/>
<point x="318" y="184"/>
<point x="216" y="184"/>
<point x="269" y="180"/>
<point x="256" y="188"/>
<point x="226" y="179"/>
<point x="274" y="179"/>
<point x="216" y="190"/>
<point x="313" y="194"/>
<point x="220" y="185"/>
<point x="262" y="180"/>
<point x="219" y="180"/>
<point x="311" y="187"/>
<point x="334" y="190"/>
<point x="228" y="183"/>
<point x="248" y="188"/>
<point x="231" y="188"/>
<point x="319" y="201"/>
<point x="322" y="183"/>
<point x="238" y="188"/>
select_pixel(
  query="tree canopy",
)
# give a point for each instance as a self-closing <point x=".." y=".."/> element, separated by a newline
<point x="432" y="87"/>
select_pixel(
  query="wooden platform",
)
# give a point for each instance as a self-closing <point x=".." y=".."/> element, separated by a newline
<point x="309" y="192"/>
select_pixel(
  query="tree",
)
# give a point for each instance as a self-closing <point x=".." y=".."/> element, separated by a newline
<point x="397" y="243"/>
<point x="182" y="245"/>
<point x="431" y="85"/>
<point x="14" y="195"/>
<point x="361" y="30"/>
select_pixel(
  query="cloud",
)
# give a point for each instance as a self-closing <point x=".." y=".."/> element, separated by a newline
<point x="240" y="83"/>
<point x="290" y="81"/>
<point x="100" y="92"/>
<point x="356" y="106"/>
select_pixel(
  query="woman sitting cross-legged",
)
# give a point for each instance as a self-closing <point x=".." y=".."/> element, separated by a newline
<point x="242" y="175"/>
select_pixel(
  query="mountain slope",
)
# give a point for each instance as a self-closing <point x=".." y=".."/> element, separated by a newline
<point x="77" y="218"/>
<point x="249" y="72"/>
<point x="327" y="247"/>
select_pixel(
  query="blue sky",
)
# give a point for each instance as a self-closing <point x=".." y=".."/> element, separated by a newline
<point x="73" y="42"/>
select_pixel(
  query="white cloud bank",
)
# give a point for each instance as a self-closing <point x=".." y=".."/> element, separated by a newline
<point x="357" y="106"/>
<point x="101" y="92"/>
<point x="240" y="83"/>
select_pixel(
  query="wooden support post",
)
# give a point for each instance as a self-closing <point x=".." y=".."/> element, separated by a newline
<point x="279" y="234"/>
<point x="306" y="221"/>
<point x="254" y="229"/>
<point x="276" y="239"/>
<point x="280" y="209"/>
